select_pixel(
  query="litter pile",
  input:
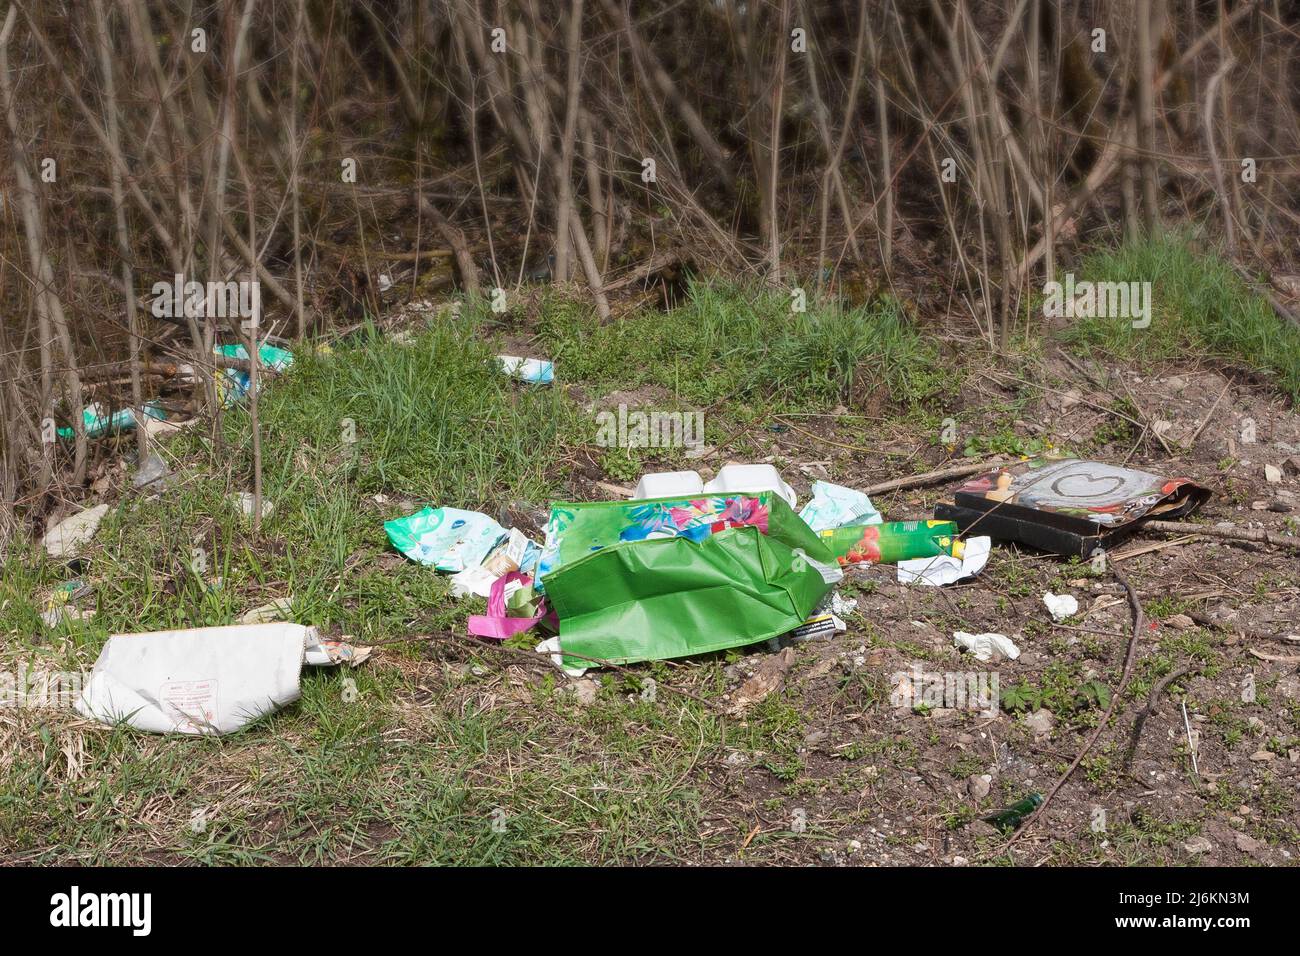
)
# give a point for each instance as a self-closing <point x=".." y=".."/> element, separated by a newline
<point x="686" y="567"/>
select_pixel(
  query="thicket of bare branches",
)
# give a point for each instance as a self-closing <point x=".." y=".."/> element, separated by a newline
<point x="959" y="145"/>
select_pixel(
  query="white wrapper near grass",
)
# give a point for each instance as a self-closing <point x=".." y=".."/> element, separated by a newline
<point x="208" y="680"/>
<point x="246" y="502"/>
<point x="1061" y="606"/>
<point x="986" y="647"/>
<point x="512" y="554"/>
<point x="552" y="647"/>
<point x="944" y="568"/>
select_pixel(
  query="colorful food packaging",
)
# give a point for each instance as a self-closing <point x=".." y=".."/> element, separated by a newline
<point x="892" y="541"/>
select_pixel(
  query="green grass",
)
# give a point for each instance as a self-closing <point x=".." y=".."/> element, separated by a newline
<point x="743" y="345"/>
<point x="443" y="736"/>
<point x="1200" y="305"/>
<point x="415" y="767"/>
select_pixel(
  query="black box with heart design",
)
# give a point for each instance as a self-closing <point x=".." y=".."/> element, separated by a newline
<point x="1067" y="506"/>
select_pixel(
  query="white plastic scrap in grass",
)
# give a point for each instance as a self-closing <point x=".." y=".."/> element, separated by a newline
<point x="552" y="647"/>
<point x="527" y="369"/>
<point x="246" y="503"/>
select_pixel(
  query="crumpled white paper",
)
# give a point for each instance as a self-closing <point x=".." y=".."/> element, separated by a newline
<point x="1061" y="605"/>
<point x="986" y="647"/>
<point x="944" y="568"/>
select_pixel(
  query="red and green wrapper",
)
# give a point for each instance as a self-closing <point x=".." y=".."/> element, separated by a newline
<point x="892" y="541"/>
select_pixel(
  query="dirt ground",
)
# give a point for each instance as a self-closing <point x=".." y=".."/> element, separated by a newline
<point x="892" y="785"/>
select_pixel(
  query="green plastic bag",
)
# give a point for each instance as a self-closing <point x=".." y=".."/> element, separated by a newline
<point x="577" y="528"/>
<point x="672" y="597"/>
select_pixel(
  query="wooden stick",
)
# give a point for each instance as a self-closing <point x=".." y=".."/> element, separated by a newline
<point x="1257" y="535"/>
<point x="932" y="477"/>
<point x="456" y="239"/>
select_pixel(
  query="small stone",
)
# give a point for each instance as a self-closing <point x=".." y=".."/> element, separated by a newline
<point x="1040" y="721"/>
<point x="585" y="691"/>
<point x="978" y="786"/>
<point x="1248" y="844"/>
<point x="1198" y="845"/>
<point x="1272" y="474"/>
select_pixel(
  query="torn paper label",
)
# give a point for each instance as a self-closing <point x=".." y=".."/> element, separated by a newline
<point x="323" y="653"/>
<point x="190" y="704"/>
<point x="818" y="626"/>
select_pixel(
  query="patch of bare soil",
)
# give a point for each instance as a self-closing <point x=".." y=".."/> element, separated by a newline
<point x="882" y="784"/>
